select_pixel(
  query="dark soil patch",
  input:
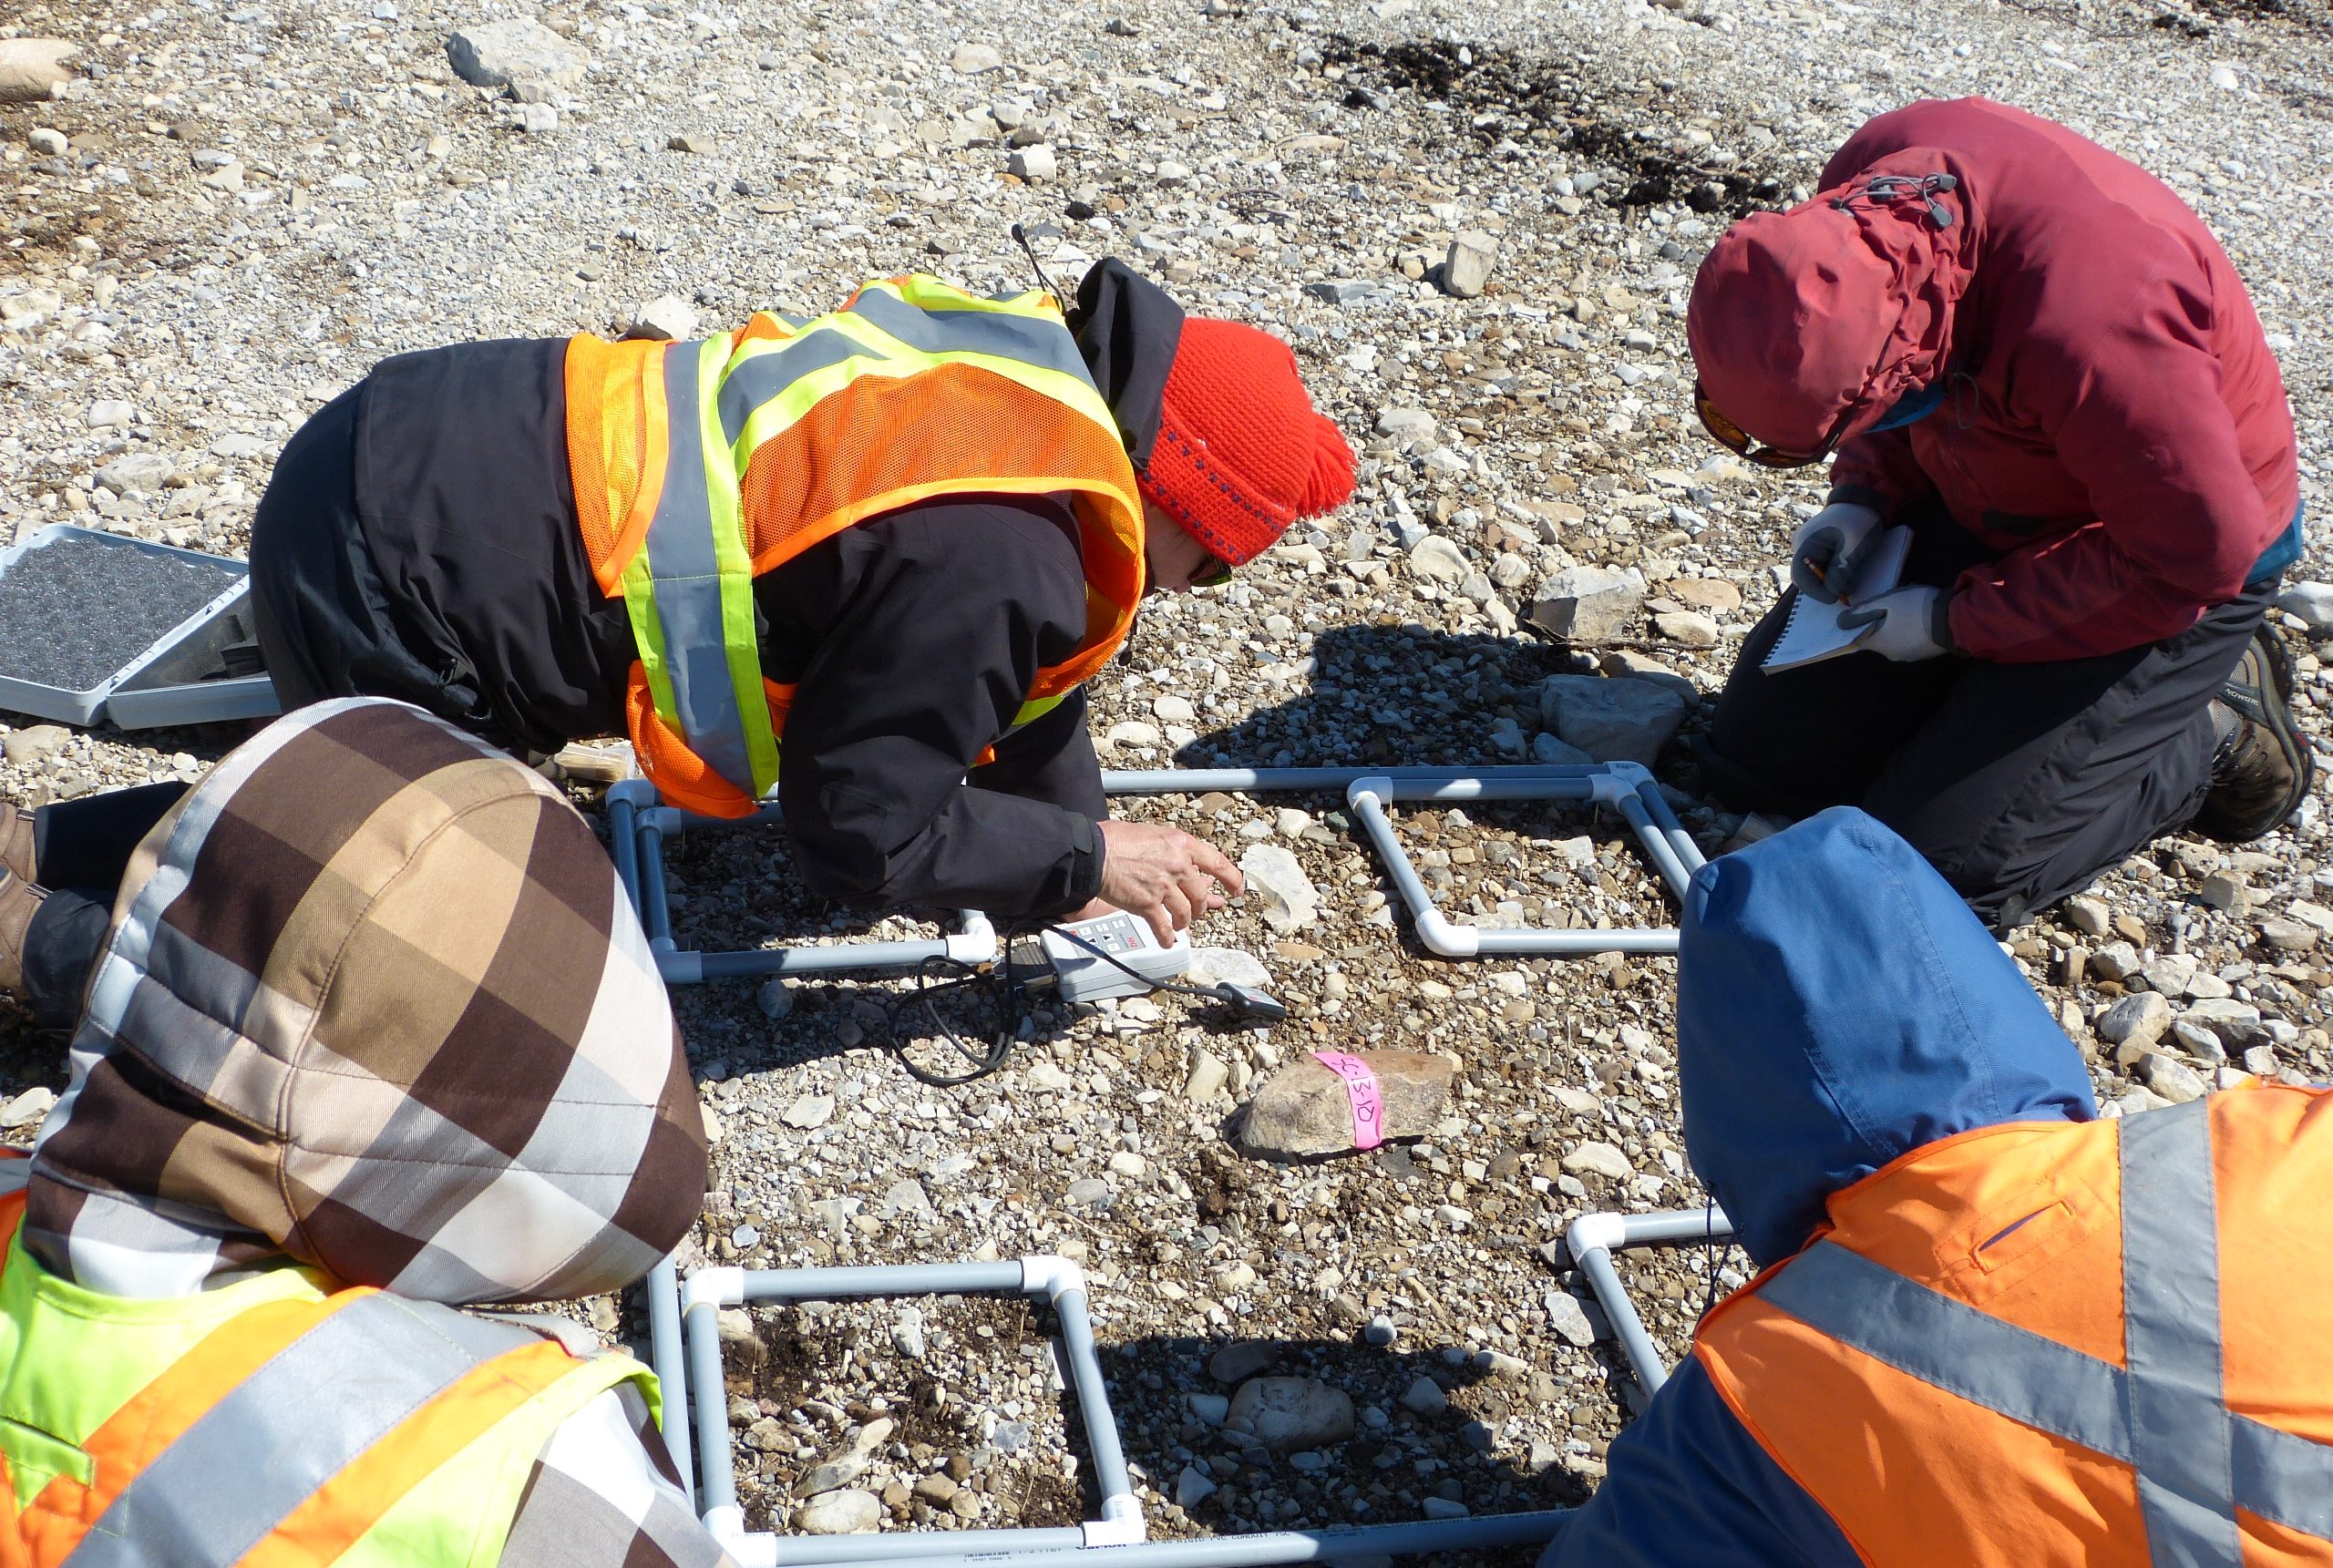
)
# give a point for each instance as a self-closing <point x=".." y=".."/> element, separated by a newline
<point x="1538" y="103"/>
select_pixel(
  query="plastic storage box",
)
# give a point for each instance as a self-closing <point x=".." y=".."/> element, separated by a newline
<point x="203" y="669"/>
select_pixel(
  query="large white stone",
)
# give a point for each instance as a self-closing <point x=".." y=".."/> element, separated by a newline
<point x="1436" y="559"/>
<point x="1468" y="266"/>
<point x="1292" y="1413"/>
<point x="32" y="69"/>
<point x="2312" y="601"/>
<point x="850" y="1513"/>
<point x="667" y="318"/>
<point x="1290" y="902"/>
<point x="505" y="54"/>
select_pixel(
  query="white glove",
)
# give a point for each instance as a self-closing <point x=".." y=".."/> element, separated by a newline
<point x="1822" y="551"/>
<point x="1913" y="623"/>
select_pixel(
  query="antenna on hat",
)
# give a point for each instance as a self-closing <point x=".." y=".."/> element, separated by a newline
<point x="1020" y="237"/>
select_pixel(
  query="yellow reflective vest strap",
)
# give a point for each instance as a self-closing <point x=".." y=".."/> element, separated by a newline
<point x="688" y="585"/>
<point x="132" y="1424"/>
<point x="689" y="589"/>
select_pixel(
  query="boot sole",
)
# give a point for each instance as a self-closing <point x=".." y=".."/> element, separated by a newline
<point x="2277" y="716"/>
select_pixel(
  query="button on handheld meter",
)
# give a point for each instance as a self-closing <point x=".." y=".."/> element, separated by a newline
<point x="1076" y="950"/>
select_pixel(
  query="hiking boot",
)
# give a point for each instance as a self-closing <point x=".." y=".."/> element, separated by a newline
<point x="16" y="842"/>
<point x="2263" y="770"/>
<point x="19" y="899"/>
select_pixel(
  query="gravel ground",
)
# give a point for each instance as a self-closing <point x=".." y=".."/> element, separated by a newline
<point x="255" y="203"/>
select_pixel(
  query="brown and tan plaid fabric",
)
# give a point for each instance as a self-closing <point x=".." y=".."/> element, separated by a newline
<point x="373" y="997"/>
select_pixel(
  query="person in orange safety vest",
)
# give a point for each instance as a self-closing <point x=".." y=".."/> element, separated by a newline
<point x="1991" y="1327"/>
<point x="888" y="544"/>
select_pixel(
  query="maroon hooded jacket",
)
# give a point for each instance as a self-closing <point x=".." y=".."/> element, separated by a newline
<point x="2113" y="420"/>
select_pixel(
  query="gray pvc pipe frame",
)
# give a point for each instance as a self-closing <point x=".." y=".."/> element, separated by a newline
<point x="1056" y="1279"/>
<point x="1491" y="1531"/>
<point x="1624" y="786"/>
<point x="1593" y="1238"/>
<point x="637" y="827"/>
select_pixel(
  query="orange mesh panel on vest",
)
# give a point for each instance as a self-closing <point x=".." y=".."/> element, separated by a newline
<point x="616" y="442"/>
<point x="882" y="443"/>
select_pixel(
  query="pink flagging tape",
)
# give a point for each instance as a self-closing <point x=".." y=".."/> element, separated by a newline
<point x="1361" y="1087"/>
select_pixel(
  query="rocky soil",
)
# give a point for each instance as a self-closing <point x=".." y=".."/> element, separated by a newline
<point x="1477" y="224"/>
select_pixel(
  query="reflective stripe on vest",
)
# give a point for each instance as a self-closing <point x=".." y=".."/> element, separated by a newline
<point x="252" y="1459"/>
<point x="2164" y="1413"/>
<point x="688" y="585"/>
<point x="229" y="1457"/>
<point x="689" y="588"/>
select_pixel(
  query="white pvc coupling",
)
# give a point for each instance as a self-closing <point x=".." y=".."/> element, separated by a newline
<point x="713" y="1288"/>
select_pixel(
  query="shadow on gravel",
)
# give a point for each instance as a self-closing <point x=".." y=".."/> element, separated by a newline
<point x="1390" y="694"/>
<point x="1419" y="1426"/>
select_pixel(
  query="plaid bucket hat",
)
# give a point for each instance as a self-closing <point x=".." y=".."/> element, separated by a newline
<point x="372" y="998"/>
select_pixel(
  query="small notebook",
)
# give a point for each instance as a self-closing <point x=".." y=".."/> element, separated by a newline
<point x="1813" y="633"/>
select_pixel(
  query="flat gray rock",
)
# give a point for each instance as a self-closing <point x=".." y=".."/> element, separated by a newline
<point x="1292" y="1413"/>
<point x="1588" y="603"/>
<point x="1305" y="1109"/>
<point x="1623" y="720"/>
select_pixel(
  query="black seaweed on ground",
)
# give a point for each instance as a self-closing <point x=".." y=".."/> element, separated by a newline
<point x="1536" y="103"/>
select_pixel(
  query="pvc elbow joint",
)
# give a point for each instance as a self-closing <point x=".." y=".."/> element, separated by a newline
<point x="712" y="1288"/>
<point x="1618" y="780"/>
<point x="1050" y="1275"/>
<point x="976" y="943"/>
<point x="726" y="1525"/>
<point x="639" y="793"/>
<point x="1121" y="1524"/>
<point x="1448" y="940"/>
<point x="1595" y="1233"/>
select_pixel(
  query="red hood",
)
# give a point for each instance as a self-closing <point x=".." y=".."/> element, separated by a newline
<point x="1807" y="325"/>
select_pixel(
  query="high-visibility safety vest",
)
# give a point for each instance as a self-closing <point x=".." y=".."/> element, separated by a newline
<point x="699" y="465"/>
<point x="268" y="1423"/>
<point x="2108" y="1344"/>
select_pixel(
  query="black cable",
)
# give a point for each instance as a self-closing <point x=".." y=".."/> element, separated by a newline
<point x="1007" y="993"/>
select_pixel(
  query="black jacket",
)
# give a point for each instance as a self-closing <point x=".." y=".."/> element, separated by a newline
<point x="913" y="637"/>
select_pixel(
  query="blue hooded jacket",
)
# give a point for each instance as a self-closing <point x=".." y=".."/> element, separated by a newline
<point x="1837" y="1006"/>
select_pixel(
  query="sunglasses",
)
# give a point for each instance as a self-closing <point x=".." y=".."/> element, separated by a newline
<point x="1740" y="442"/>
<point x="1214" y="573"/>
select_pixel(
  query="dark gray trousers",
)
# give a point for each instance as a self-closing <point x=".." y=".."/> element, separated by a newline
<point x="2019" y="783"/>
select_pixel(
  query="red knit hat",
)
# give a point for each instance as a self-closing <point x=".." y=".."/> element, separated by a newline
<point x="1242" y="452"/>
